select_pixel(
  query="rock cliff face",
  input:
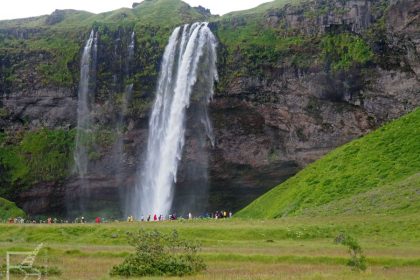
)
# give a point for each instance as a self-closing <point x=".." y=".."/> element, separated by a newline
<point x="287" y="108"/>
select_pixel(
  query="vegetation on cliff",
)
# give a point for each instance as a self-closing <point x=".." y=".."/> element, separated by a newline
<point x="33" y="157"/>
<point x="51" y="44"/>
<point x="380" y="162"/>
<point x="296" y="36"/>
<point x="249" y="41"/>
<point x="342" y="51"/>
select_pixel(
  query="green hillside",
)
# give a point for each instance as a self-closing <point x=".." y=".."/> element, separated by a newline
<point x="154" y="12"/>
<point x="361" y="176"/>
<point x="395" y="198"/>
<point x="9" y="209"/>
<point x="276" y="4"/>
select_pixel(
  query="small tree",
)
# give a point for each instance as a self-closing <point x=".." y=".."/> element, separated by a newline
<point x="158" y="254"/>
<point x="357" y="259"/>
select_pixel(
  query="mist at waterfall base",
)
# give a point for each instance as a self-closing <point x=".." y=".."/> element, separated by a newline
<point x="187" y="76"/>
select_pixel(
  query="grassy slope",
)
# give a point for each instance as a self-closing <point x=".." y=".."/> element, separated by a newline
<point x="9" y="209"/>
<point x="381" y="158"/>
<point x="276" y="4"/>
<point x="395" y="198"/>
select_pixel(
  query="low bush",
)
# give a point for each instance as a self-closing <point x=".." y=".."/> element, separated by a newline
<point x="160" y="254"/>
<point x="357" y="259"/>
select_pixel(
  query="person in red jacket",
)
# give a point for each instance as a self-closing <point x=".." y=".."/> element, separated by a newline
<point x="155" y="218"/>
<point x="98" y="220"/>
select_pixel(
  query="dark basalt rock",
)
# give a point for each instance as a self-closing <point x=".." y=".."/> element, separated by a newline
<point x="318" y="17"/>
<point x="203" y="11"/>
<point x="56" y="17"/>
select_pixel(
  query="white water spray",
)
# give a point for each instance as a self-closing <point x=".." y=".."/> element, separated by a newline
<point x="191" y="48"/>
<point x="84" y="104"/>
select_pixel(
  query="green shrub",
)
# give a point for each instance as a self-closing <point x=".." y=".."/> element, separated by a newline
<point x="3" y="113"/>
<point x="344" y="50"/>
<point x="158" y="254"/>
<point x="357" y="259"/>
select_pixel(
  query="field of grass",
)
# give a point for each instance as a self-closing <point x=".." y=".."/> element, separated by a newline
<point x="382" y="161"/>
<point x="288" y="248"/>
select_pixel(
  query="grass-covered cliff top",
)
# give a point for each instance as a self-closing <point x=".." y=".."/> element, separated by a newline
<point x="276" y="4"/>
<point x="154" y="12"/>
<point x="376" y="173"/>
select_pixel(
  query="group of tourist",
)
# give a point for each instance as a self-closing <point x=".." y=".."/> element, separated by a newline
<point x="171" y="217"/>
<point x="222" y="215"/>
<point x="155" y="218"/>
<point x="49" y="220"/>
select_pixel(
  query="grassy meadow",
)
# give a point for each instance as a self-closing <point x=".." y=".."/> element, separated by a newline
<point x="287" y="248"/>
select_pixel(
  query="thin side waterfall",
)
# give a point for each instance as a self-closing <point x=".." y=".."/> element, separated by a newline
<point x="190" y="57"/>
<point x="129" y="88"/>
<point x="131" y="47"/>
<point x="84" y="104"/>
<point x="120" y="122"/>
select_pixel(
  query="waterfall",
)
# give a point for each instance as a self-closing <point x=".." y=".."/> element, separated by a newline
<point x="118" y="149"/>
<point x="131" y="46"/>
<point x="126" y="98"/>
<point x="188" y="68"/>
<point x="129" y="88"/>
<point x="84" y="104"/>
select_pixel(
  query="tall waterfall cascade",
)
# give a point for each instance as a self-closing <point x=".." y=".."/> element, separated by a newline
<point x="84" y="104"/>
<point x="188" y="71"/>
